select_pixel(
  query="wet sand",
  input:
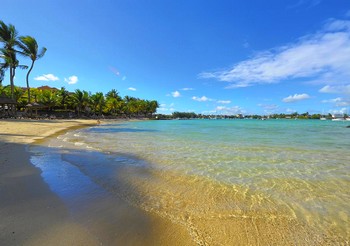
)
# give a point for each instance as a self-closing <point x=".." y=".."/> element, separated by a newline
<point x="31" y="214"/>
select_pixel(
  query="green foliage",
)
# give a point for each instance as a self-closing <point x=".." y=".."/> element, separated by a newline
<point x="29" y="48"/>
<point x="12" y="44"/>
<point x="49" y="99"/>
<point x="184" y="115"/>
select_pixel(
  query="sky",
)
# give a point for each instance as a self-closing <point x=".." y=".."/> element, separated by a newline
<point x="204" y="56"/>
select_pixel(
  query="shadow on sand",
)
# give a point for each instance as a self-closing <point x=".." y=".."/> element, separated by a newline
<point x="56" y="203"/>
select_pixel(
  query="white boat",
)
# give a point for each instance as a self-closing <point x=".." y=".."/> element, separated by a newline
<point x="338" y="117"/>
<point x="323" y="118"/>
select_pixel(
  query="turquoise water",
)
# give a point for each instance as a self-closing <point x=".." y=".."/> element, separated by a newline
<point x="288" y="178"/>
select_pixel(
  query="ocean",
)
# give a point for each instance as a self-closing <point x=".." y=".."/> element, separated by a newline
<point x="271" y="182"/>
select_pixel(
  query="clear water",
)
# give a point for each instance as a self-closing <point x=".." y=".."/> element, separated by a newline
<point x="248" y="181"/>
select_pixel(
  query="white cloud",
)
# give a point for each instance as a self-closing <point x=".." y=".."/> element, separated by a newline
<point x="201" y="99"/>
<point x="340" y="111"/>
<point x="132" y="89"/>
<point x="290" y="110"/>
<point x="124" y="78"/>
<point x="321" y="57"/>
<point x="187" y="89"/>
<point x="47" y="77"/>
<point x="162" y="109"/>
<point x="166" y="108"/>
<point x="71" y="80"/>
<point x="338" y="102"/>
<point x="229" y="110"/>
<point x="269" y="107"/>
<point x="295" y="98"/>
<point x="341" y="89"/>
<point x="224" y="101"/>
<point x="175" y="94"/>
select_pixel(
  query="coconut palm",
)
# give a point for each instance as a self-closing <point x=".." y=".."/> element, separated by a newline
<point x="29" y="48"/>
<point x="2" y="73"/>
<point x="113" y="94"/>
<point x="98" y="102"/>
<point x="49" y="99"/>
<point x="152" y="107"/>
<point x="64" y="94"/>
<point x="80" y="100"/>
<point x="8" y="36"/>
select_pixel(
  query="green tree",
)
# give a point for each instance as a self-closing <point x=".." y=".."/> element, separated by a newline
<point x="64" y="95"/>
<point x="152" y="107"/>
<point x="114" y="106"/>
<point x="8" y="36"/>
<point x="80" y="100"/>
<point x="29" y="48"/>
<point x="98" y="102"/>
<point x="114" y="103"/>
<point x="113" y="94"/>
<point x="49" y="98"/>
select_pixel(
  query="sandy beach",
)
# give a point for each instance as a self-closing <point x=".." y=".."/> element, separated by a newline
<point x="31" y="214"/>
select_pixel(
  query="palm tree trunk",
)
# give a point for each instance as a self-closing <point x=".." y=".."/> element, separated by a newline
<point x="27" y="78"/>
<point x="11" y="81"/>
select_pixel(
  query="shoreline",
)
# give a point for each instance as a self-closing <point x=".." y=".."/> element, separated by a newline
<point x="32" y="214"/>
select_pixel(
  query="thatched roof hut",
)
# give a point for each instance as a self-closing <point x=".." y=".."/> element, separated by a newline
<point x="35" y="105"/>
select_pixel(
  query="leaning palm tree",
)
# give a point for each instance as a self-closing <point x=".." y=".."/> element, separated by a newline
<point x="8" y="36"/>
<point x="29" y="48"/>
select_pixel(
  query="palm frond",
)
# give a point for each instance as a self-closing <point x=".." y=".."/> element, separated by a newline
<point x="29" y="47"/>
<point x="42" y="52"/>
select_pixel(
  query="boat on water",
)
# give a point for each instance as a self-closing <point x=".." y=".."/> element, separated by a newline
<point x="338" y="117"/>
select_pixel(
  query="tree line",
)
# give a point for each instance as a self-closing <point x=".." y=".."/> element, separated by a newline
<point x="82" y="103"/>
<point x="79" y="101"/>
<point x="295" y="115"/>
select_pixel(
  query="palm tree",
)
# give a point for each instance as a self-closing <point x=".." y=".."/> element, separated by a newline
<point x="49" y="98"/>
<point x="64" y="94"/>
<point x="152" y="107"/>
<point x="8" y="35"/>
<point x="29" y="48"/>
<point x="80" y="100"/>
<point x="113" y="94"/>
<point x="2" y="73"/>
<point x="98" y="102"/>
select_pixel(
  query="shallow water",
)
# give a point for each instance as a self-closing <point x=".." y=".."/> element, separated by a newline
<point x="243" y="181"/>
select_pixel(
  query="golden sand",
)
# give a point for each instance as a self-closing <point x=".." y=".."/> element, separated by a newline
<point x="31" y="214"/>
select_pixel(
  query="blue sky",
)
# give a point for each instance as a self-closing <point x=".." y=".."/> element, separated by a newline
<point x="224" y="57"/>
